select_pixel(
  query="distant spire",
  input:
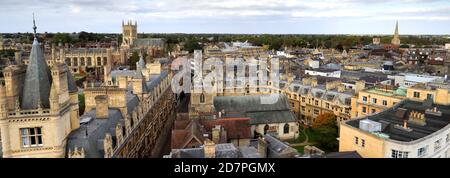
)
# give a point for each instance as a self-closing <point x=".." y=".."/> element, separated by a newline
<point x="396" y="28"/>
<point x="34" y="26"/>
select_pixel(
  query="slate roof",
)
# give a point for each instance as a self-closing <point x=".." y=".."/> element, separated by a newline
<point x="90" y="135"/>
<point x="252" y="106"/>
<point x="149" y="42"/>
<point x="321" y="92"/>
<point x="37" y="80"/>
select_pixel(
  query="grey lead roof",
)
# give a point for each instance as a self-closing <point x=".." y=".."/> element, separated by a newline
<point x="252" y="106"/>
<point x="37" y="80"/>
<point x="90" y="135"/>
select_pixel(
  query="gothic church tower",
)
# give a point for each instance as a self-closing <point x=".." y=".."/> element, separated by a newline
<point x="129" y="33"/>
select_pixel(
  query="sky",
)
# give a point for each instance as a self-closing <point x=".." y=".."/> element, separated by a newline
<point x="229" y="16"/>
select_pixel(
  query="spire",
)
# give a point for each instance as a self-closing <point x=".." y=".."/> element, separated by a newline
<point x="36" y="89"/>
<point x="396" y="28"/>
<point x="34" y="27"/>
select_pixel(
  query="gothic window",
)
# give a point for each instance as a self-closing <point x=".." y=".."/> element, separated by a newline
<point x="202" y="98"/>
<point x="31" y="137"/>
<point x="286" y="128"/>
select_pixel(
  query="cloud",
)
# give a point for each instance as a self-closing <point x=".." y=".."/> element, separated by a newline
<point x="105" y="12"/>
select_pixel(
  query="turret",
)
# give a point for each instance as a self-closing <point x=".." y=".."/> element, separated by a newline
<point x="54" y="99"/>
<point x="3" y="102"/>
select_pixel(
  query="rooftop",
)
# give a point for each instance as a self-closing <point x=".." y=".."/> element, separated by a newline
<point x="430" y="118"/>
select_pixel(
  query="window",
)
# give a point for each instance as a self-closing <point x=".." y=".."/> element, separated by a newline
<point x="82" y="61"/>
<point x="374" y="100"/>
<point x="327" y="105"/>
<point x="105" y="61"/>
<point x="202" y="98"/>
<point x="422" y="151"/>
<point x="316" y="103"/>
<point x="286" y="129"/>
<point x="356" y="140"/>
<point x="364" y="109"/>
<point x="416" y="94"/>
<point x="374" y="111"/>
<point x="364" y="98"/>
<point x="363" y="142"/>
<point x="89" y="61"/>
<point x="437" y="144"/>
<point x="399" y="154"/>
<point x="99" y="61"/>
<point x="68" y="62"/>
<point x="75" y="61"/>
<point x="316" y="112"/>
<point x="384" y="102"/>
<point x="430" y="96"/>
<point x="303" y="99"/>
<point x="31" y="137"/>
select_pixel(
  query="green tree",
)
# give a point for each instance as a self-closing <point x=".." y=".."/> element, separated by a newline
<point x="326" y="125"/>
<point x="133" y="59"/>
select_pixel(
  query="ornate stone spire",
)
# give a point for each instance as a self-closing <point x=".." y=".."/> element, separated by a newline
<point x="36" y="88"/>
<point x="396" y="39"/>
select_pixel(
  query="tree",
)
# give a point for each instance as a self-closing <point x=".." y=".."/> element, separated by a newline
<point x="324" y="120"/>
<point x="133" y="59"/>
<point x="325" y="125"/>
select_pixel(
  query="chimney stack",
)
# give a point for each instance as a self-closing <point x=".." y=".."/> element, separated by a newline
<point x="209" y="149"/>
<point x="102" y="106"/>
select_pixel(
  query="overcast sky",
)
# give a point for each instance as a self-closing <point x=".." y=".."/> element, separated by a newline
<point x="230" y="16"/>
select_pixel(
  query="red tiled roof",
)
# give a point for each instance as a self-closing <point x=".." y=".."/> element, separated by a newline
<point x="235" y="127"/>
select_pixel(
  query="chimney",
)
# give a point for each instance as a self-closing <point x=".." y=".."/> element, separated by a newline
<point x="314" y="81"/>
<point x="306" y="81"/>
<point x="102" y="106"/>
<point x="262" y="147"/>
<point x="341" y="88"/>
<point x="360" y="85"/>
<point x="209" y="149"/>
<point x="18" y="57"/>
<point x="216" y="134"/>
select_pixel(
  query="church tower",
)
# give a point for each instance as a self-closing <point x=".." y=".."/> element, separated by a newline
<point x="396" y="39"/>
<point x="129" y="33"/>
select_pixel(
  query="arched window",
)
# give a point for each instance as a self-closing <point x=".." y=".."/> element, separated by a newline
<point x="202" y="98"/>
<point x="286" y="128"/>
<point x="89" y="61"/>
<point x="266" y="128"/>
